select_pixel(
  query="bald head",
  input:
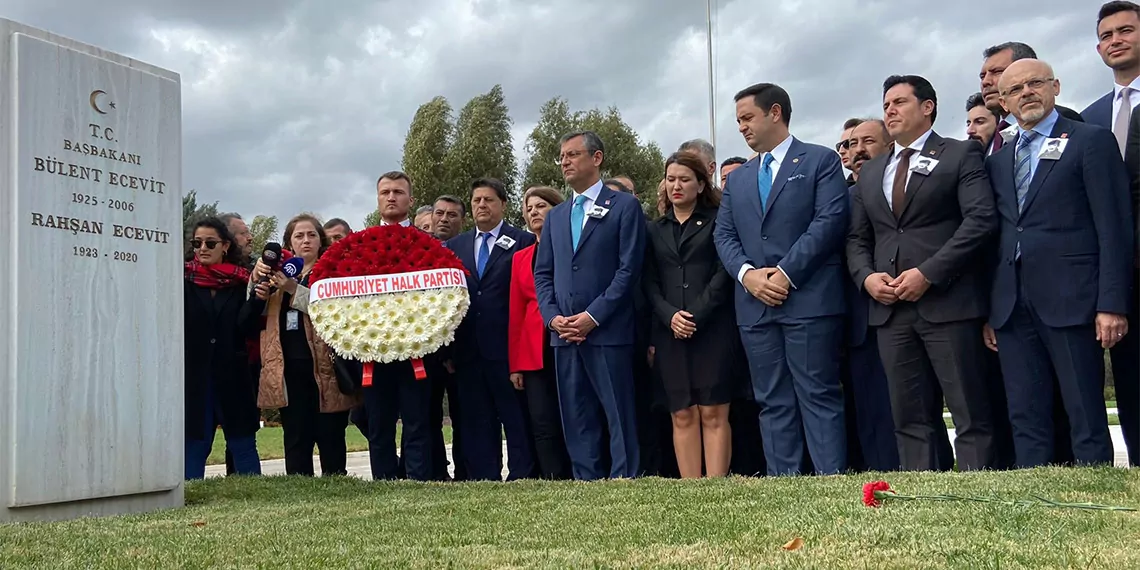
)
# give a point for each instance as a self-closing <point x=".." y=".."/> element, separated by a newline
<point x="1029" y="91"/>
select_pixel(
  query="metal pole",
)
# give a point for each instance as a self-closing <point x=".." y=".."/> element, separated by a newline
<point x="712" y="90"/>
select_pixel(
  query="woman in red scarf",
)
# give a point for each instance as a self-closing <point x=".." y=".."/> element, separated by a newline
<point x="219" y="390"/>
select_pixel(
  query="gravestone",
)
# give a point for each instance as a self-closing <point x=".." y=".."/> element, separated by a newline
<point x="91" y="344"/>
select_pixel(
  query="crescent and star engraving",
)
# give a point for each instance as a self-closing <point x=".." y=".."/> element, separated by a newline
<point x="95" y="101"/>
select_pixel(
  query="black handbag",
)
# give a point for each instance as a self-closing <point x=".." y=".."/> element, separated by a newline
<point x="349" y="374"/>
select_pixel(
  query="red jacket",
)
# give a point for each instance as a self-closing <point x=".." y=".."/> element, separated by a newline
<point x="526" y="333"/>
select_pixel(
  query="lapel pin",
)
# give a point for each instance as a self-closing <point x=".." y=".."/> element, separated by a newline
<point x="699" y="222"/>
<point x="932" y="152"/>
<point x="1064" y="135"/>
<point x="607" y="202"/>
<point x="795" y="160"/>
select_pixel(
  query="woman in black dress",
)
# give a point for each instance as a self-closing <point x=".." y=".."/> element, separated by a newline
<point x="694" y="326"/>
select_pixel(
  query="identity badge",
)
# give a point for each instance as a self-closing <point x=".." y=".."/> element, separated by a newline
<point x="924" y="165"/>
<point x="1052" y="149"/>
<point x="505" y="242"/>
<point x="598" y="212"/>
<point x="292" y="321"/>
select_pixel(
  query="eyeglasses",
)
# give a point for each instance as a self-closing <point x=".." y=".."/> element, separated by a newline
<point x="842" y="145"/>
<point x="210" y="243"/>
<point x="1032" y="85"/>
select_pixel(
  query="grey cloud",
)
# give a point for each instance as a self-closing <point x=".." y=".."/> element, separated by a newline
<point x="293" y="106"/>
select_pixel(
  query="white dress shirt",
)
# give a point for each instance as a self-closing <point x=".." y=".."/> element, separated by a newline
<point x="495" y="232"/>
<point x="406" y="222"/>
<point x="893" y="165"/>
<point x="591" y="195"/>
<point x="779" y="153"/>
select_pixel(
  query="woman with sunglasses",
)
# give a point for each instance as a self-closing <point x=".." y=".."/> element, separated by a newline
<point x="297" y="370"/>
<point x="219" y="390"/>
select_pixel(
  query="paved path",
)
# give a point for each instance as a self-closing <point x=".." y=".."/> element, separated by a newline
<point x="359" y="467"/>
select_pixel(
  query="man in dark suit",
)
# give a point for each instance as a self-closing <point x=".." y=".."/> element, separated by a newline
<point x="780" y="233"/>
<point x="997" y="58"/>
<point x="1061" y="286"/>
<point x="916" y="245"/>
<point x="587" y="266"/>
<point x="490" y="403"/>
<point x="1118" y="43"/>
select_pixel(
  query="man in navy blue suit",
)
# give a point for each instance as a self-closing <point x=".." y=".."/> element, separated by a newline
<point x="1061" y="287"/>
<point x="780" y="232"/>
<point x="489" y="401"/>
<point x="1118" y="43"/>
<point x="586" y="268"/>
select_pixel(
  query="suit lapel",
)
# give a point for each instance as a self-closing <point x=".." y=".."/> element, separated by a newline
<point x="1044" y="167"/>
<point x="788" y="168"/>
<point x="605" y="200"/>
<point x="699" y="222"/>
<point x="932" y="149"/>
<point x="749" y="186"/>
<point x="665" y="232"/>
<point x="874" y="171"/>
<point x="464" y="245"/>
<point x="496" y="251"/>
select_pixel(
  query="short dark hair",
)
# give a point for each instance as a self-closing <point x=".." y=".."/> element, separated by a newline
<point x="492" y="183"/>
<point x="338" y="222"/>
<point x="233" y="254"/>
<point x="765" y="95"/>
<point x="1116" y="7"/>
<point x="1020" y="51"/>
<point x="733" y="160"/>
<point x="593" y="142"/>
<point x="451" y="199"/>
<point x="395" y="175"/>
<point x="923" y="90"/>
<point x="228" y="217"/>
<point x="852" y="123"/>
<point x="620" y="187"/>
<point x="977" y="100"/>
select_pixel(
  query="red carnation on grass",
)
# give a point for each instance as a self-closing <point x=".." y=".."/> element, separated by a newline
<point x="869" y="490"/>
<point x="384" y="250"/>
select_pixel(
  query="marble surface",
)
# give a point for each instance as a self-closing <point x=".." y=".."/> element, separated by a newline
<point x="91" y="363"/>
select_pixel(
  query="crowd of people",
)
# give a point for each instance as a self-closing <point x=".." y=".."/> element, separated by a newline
<point x="789" y="320"/>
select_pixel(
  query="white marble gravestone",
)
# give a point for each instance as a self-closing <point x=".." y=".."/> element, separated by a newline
<point x="91" y="325"/>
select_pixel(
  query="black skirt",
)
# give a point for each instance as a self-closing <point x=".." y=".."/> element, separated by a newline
<point x="705" y="370"/>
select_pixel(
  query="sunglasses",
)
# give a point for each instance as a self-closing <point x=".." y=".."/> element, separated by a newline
<point x="842" y="145"/>
<point x="210" y="243"/>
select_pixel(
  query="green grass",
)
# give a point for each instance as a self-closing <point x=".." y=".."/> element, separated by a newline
<point x="287" y="522"/>
<point x="271" y="444"/>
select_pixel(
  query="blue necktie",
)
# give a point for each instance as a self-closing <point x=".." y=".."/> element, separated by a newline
<point x="764" y="180"/>
<point x="1021" y="174"/>
<point x="577" y="215"/>
<point x="484" y="253"/>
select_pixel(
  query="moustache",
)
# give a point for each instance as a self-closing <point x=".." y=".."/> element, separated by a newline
<point x="861" y="156"/>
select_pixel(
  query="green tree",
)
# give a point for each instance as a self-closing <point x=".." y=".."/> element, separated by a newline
<point x="625" y="154"/>
<point x="192" y="213"/>
<point x="426" y="148"/>
<point x="372" y="219"/>
<point x="263" y="229"/>
<point x="483" y="147"/>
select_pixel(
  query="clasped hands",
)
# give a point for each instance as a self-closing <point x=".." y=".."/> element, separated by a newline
<point x="276" y="279"/>
<point x="574" y="328"/>
<point x="768" y="284"/>
<point x="910" y="285"/>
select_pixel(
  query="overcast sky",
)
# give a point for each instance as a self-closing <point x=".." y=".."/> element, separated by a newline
<point x="293" y="106"/>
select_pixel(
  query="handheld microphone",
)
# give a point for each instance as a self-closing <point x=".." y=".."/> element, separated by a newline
<point x="292" y="268"/>
<point x="271" y="256"/>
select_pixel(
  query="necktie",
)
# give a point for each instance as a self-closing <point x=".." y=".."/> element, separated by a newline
<point x="898" y="191"/>
<point x="998" y="140"/>
<point x="577" y="215"/>
<point x="1120" y="126"/>
<point x="1021" y="174"/>
<point x="764" y="180"/>
<point x="484" y="253"/>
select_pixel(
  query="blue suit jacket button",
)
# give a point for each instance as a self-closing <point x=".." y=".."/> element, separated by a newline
<point x="575" y="268"/>
<point x="763" y="237"/>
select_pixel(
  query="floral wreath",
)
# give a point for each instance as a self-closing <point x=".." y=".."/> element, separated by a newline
<point x="386" y="294"/>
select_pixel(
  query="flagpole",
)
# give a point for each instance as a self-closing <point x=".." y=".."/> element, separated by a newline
<point x="712" y="91"/>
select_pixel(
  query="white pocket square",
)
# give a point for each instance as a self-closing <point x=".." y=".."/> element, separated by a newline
<point x="796" y="177"/>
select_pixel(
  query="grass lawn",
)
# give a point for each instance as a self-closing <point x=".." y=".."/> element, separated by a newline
<point x="270" y="443"/>
<point x="282" y="522"/>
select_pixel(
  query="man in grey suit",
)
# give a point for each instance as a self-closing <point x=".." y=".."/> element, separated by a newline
<point x="915" y="246"/>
